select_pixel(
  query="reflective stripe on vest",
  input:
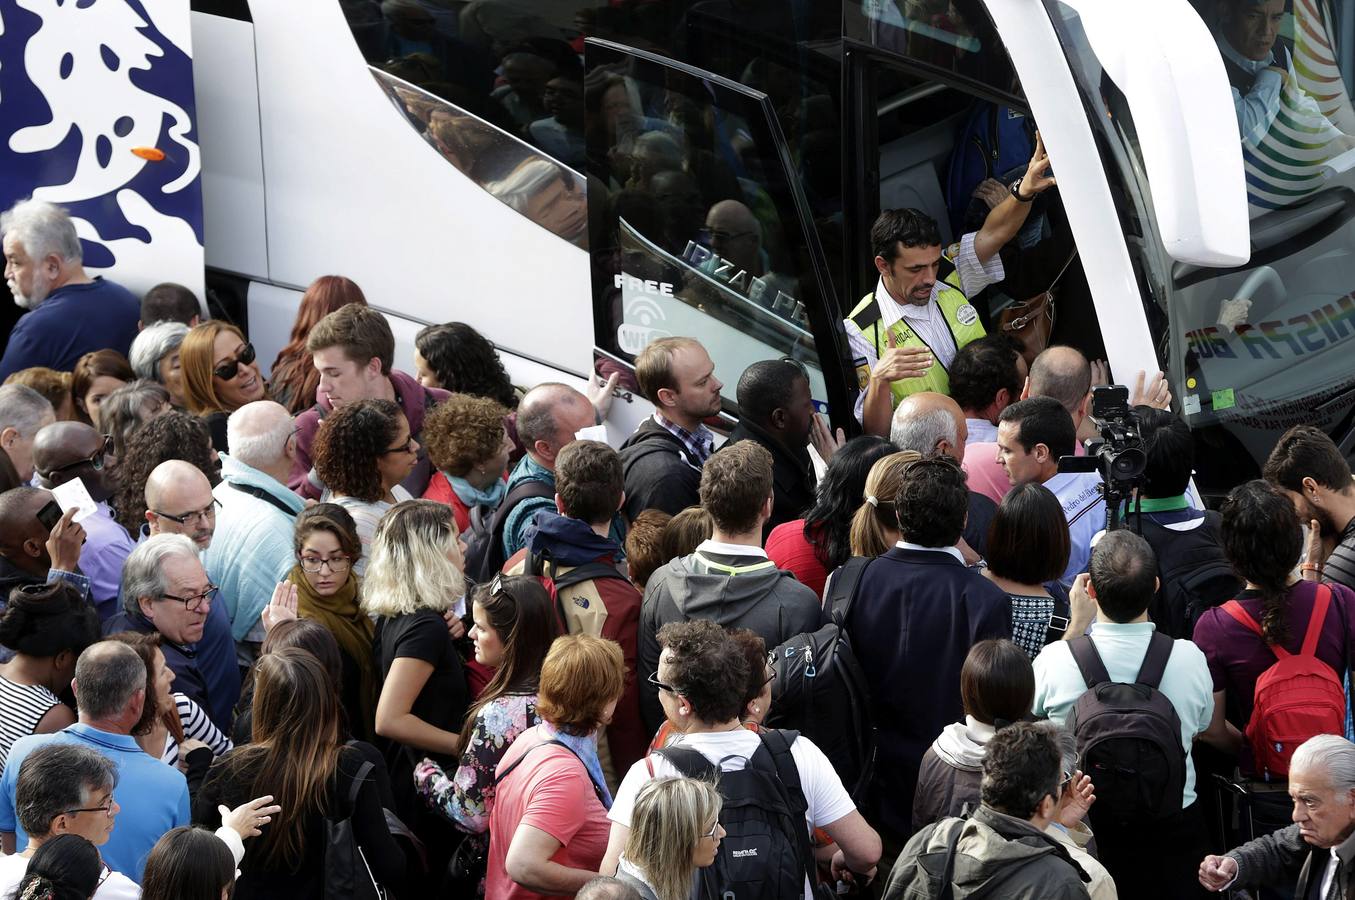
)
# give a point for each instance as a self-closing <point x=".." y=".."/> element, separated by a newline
<point x="949" y="300"/>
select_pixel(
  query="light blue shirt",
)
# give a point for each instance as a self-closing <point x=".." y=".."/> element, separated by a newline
<point x="251" y="548"/>
<point x="1079" y="493"/>
<point x="1185" y="682"/>
<point x="153" y="796"/>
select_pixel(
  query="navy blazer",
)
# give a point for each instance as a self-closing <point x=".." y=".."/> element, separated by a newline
<point x="915" y="615"/>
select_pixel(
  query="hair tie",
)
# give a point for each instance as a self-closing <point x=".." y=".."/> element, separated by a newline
<point x="40" y="888"/>
<point x="870" y="498"/>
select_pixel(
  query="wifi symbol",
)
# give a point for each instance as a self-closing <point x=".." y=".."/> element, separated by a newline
<point x="643" y="311"/>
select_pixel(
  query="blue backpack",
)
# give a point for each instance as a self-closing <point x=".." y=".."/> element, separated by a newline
<point x="993" y="141"/>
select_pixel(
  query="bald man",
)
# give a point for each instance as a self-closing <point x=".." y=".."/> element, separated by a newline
<point x="29" y="553"/>
<point x="67" y="451"/>
<point x="933" y="424"/>
<point x="548" y="418"/>
<point x="736" y="234"/>
<point x="179" y="501"/>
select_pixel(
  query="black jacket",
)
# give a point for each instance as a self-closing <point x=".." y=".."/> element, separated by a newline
<point x="792" y="475"/>
<point x="182" y="660"/>
<point x="916" y="614"/>
<point x="659" y="472"/>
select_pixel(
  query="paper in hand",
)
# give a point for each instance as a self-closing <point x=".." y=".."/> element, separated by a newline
<point x="592" y="433"/>
<point x="74" y="495"/>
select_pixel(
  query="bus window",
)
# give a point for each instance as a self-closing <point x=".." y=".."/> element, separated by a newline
<point x="1256" y="349"/>
<point x="697" y="228"/>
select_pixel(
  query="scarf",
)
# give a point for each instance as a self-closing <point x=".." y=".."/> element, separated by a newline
<point x="585" y="747"/>
<point x="472" y="496"/>
<point x="351" y="627"/>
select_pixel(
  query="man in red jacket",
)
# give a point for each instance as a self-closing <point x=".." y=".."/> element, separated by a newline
<point x="353" y="349"/>
<point x="576" y="560"/>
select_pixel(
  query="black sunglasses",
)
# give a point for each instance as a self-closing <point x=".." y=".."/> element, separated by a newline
<point x="228" y="370"/>
<point x="95" y="461"/>
<point x="654" y="680"/>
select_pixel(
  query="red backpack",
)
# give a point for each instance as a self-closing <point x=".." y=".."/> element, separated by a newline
<point x="1298" y="697"/>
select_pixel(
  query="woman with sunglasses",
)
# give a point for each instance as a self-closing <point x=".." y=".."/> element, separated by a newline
<point x="362" y="451"/>
<point x="327" y="546"/>
<point x="675" y="830"/>
<point x="219" y="375"/>
<point x="514" y="626"/>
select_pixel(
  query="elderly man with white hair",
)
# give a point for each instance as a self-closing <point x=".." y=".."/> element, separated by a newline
<point x="252" y="548"/>
<point x="1320" y="845"/>
<point x="23" y="413"/>
<point x="69" y="313"/>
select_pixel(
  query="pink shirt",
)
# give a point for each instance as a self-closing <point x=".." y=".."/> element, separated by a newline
<point x="551" y="791"/>
<point x="986" y="475"/>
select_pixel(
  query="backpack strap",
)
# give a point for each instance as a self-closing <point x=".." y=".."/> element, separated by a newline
<point x="778" y="742"/>
<point x="263" y="495"/>
<point x="691" y="763"/>
<point x="843" y="593"/>
<point x="1240" y="614"/>
<point x="1088" y="661"/>
<point x="1155" y="660"/>
<point x="358" y="779"/>
<point x="1316" y="620"/>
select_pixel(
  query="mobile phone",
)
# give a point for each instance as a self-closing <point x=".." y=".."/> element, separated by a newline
<point x="50" y="514"/>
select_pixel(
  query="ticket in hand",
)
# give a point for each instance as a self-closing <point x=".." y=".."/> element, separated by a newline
<point x="74" y="495"/>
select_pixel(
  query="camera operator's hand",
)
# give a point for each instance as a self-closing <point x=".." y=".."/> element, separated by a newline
<point x="1083" y="608"/>
<point x="1155" y="394"/>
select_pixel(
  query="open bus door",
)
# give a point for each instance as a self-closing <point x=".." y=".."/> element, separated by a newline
<point x="699" y="226"/>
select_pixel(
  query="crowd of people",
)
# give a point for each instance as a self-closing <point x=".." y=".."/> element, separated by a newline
<point x="346" y="628"/>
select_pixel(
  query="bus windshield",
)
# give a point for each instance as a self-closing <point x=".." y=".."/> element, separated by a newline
<point x="1255" y="349"/>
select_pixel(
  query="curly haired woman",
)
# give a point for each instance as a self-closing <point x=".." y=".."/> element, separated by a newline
<point x="171" y="435"/>
<point x="362" y="452"/>
<point x="468" y="442"/>
<point x="457" y="358"/>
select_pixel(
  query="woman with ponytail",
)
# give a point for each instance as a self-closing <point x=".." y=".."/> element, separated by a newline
<point x="875" y="526"/>
<point x="65" y="868"/>
<point x="1263" y="540"/>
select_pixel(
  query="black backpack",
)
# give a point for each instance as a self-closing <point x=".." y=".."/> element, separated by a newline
<point x="1195" y="574"/>
<point x="1129" y="737"/>
<point x="820" y="690"/>
<point x="765" y="854"/>
<point x="484" y="539"/>
<point x="347" y="874"/>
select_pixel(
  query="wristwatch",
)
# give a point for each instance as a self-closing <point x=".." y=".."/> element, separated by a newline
<point x="1015" y="188"/>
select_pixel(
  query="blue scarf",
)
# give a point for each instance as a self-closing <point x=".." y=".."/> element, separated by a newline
<point x="585" y="747"/>
<point x="472" y="496"/>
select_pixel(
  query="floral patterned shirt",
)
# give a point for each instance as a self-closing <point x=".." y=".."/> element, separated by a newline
<point x="467" y="796"/>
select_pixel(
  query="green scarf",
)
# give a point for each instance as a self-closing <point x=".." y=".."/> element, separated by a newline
<point x="354" y="631"/>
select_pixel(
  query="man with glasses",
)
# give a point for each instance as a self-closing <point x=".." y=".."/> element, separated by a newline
<point x="63" y="452"/>
<point x="110" y="690"/>
<point x="166" y="590"/>
<point x="252" y="548"/>
<point x="179" y="501"/>
<point x="1003" y="849"/>
<point x="66" y="789"/>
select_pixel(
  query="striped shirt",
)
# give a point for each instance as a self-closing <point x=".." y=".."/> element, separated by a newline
<point x="22" y="707"/>
<point x="1340" y="566"/>
<point x="196" y="727"/>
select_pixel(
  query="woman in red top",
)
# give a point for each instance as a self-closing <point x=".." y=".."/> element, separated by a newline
<point x="811" y="547"/>
<point x="548" y="827"/>
<point x="469" y="443"/>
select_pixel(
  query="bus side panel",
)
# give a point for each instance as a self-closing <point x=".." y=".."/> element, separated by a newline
<point x="352" y="188"/>
<point x="97" y="115"/>
<point x="232" y="169"/>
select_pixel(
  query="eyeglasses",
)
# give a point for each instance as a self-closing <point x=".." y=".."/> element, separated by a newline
<point x="724" y="237"/>
<point x="194" y="603"/>
<point x="714" y="828"/>
<point x="228" y="370"/>
<point x="106" y="808"/>
<point x="95" y="461"/>
<point x="313" y="564"/>
<point x="207" y="512"/>
<point x="654" y="680"/>
<point x="406" y="447"/>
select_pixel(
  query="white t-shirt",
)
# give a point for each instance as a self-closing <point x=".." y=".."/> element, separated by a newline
<point x="826" y="799"/>
<point x="113" y="885"/>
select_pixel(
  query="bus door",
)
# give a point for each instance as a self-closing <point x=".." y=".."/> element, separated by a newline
<point x="945" y="128"/>
<point x="699" y="225"/>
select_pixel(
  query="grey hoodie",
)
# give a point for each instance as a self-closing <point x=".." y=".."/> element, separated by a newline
<point x="998" y="856"/>
<point x="732" y="591"/>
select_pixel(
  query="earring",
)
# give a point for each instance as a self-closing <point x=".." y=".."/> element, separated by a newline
<point x="755" y="709"/>
<point x="682" y="710"/>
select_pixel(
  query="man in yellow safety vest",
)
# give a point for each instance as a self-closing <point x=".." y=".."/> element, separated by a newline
<point x="904" y="336"/>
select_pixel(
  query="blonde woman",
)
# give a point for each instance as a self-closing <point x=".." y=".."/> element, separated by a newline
<point x="675" y="830"/>
<point x="875" y="527"/>
<point x="413" y="581"/>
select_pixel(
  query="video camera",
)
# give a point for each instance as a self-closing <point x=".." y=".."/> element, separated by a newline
<point x="1118" y="456"/>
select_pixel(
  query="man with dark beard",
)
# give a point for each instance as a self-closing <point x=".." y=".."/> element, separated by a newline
<point x="1307" y="465"/>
